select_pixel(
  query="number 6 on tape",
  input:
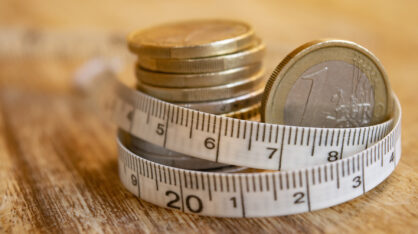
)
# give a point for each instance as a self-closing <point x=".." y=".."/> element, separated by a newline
<point x="320" y="167"/>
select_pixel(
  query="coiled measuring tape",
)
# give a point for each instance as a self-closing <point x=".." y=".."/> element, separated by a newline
<point x="319" y="167"/>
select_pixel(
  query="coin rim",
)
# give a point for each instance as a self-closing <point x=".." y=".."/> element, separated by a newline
<point x="245" y="113"/>
<point x="228" y="90"/>
<point x="240" y="58"/>
<point x="241" y="102"/>
<point x="182" y="80"/>
<point x="294" y="56"/>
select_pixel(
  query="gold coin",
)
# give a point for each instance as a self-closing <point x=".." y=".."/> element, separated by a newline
<point x="174" y="80"/>
<point x="202" y="65"/>
<point x="229" y="105"/>
<point x="192" y="39"/>
<point x="211" y="93"/>
<point x="328" y="83"/>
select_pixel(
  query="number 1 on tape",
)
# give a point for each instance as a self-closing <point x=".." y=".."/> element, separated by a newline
<point x="319" y="167"/>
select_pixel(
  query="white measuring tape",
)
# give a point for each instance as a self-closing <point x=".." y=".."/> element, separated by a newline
<point x="320" y="167"/>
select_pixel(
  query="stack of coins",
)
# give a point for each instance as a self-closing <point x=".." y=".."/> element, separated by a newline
<point x="208" y="65"/>
<point x="213" y="66"/>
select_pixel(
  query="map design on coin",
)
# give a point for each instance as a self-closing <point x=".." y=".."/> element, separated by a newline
<point x="334" y="84"/>
<point x="324" y="102"/>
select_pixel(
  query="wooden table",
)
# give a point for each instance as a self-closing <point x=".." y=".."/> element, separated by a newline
<point x="58" y="161"/>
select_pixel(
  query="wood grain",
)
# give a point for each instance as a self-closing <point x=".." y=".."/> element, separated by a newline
<point x="58" y="170"/>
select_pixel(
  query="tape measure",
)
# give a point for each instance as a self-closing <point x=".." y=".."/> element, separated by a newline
<point x="319" y="167"/>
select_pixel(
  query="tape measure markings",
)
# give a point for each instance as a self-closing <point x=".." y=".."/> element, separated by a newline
<point x="358" y="159"/>
<point x="375" y="154"/>
<point x="255" y="145"/>
<point x="300" y="190"/>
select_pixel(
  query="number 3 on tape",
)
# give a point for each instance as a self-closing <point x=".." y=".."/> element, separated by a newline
<point x="320" y="167"/>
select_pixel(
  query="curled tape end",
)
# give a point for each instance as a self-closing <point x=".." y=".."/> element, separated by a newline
<point x="95" y="70"/>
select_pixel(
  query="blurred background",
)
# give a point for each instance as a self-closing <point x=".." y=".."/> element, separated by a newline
<point x="51" y="38"/>
<point x="58" y="167"/>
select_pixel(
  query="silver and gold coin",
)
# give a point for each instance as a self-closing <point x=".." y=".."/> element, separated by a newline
<point x="328" y="83"/>
<point x="229" y="105"/>
<point x="225" y="91"/>
<point x="192" y="39"/>
<point x="207" y="64"/>
<point x="187" y="80"/>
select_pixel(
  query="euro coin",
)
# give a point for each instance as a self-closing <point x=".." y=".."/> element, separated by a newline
<point x="185" y="80"/>
<point x="207" y="64"/>
<point x="225" y="91"/>
<point x="192" y="39"/>
<point x="328" y="83"/>
<point x="226" y="105"/>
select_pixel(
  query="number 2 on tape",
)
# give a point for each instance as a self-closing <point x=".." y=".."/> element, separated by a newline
<point x="320" y="167"/>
